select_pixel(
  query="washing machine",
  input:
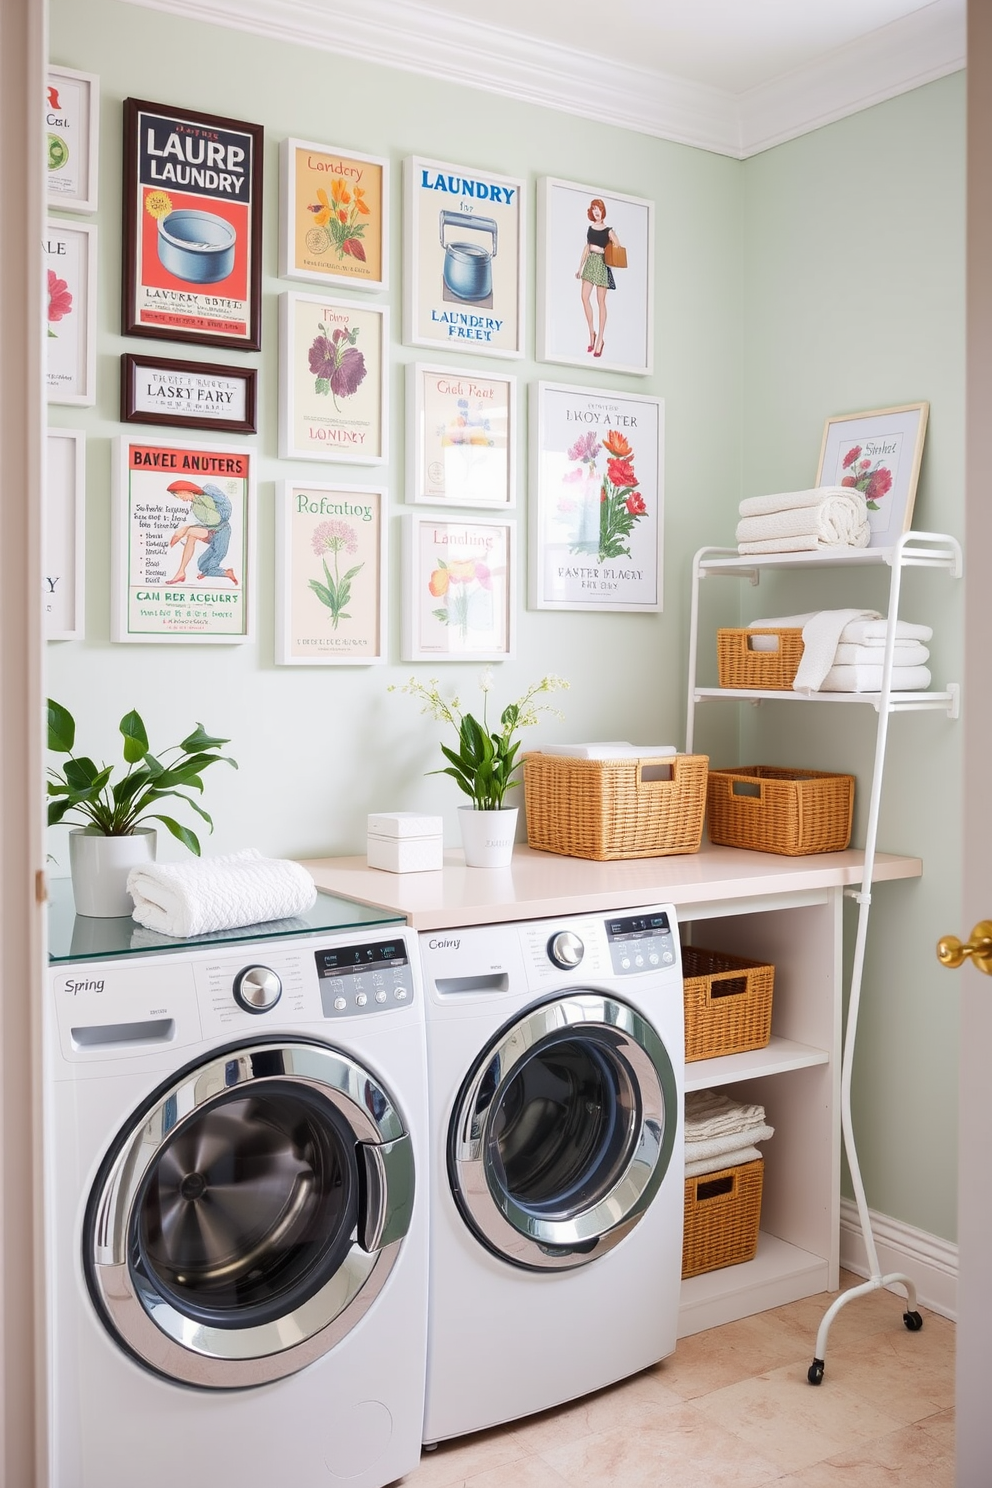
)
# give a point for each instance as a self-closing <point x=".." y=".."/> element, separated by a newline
<point x="556" y="1077"/>
<point x="236" y="1209"/>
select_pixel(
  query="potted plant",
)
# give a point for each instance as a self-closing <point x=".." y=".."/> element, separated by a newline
<point x="112" y="841"/>
<point x="485" y="762"/>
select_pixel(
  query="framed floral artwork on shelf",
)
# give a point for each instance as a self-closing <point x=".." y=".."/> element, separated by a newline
<point x="70" y="342"/>
<point x="333" y="225"/>
<point x="597" y="499"/>
<point x="63" y="534"/>
<point x="461" y="437"/>
<point x="463" y="259"/>
<point x="879" y="454"/>
<point x="330" y="575"/>
<point x="459" y="588"/>
<point x="72" y="128"/>
<point x="332" y="380"/>
<point x="595" y="277"/>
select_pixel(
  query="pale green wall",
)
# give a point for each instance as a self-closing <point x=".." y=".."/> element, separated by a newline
<point x="822" y="276"/>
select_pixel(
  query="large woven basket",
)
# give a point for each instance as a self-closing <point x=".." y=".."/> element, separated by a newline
<point x="722" y="1214"/>
<point x="615" y="808"/>
<point x="728" y="1003"/>
<point x="775" y="810"/>
<point x="740" y="665"/>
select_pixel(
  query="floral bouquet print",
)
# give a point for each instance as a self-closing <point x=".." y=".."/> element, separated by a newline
<point x="335" y="592"/>
<point x="59" y="300"/>
<point x="621" y="504"/>
<point x="465" y="585"/>
<point x="337" y="220"/>
<point x="873" y="480"/>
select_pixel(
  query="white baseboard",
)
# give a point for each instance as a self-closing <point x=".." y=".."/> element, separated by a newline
<point x="931" y="1262"/>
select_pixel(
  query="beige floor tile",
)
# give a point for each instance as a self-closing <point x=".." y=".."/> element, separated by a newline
<point x="908" y="1375"/>
<point x="941" y="1428"/>
<point x="737" y="1351"/>
<point x="908" y="1458"/>
<point x="874" y="1312"/>
<point x="458" y="1461"/>
<point x="631" y="1405"/>
<point x="681" y="1453"/>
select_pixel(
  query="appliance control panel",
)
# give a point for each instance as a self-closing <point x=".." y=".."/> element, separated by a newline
<point x="641" y="942"/>
<point x="366" y="978"/>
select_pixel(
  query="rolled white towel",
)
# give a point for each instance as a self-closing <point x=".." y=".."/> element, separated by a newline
<point x="208" y="894"/>
<point x="904" y="653"/>
<point x="835" y="517"/>
<point x="717" y="1164"/>
<point x="763" y="506"/>
<point x="868" y="678"/>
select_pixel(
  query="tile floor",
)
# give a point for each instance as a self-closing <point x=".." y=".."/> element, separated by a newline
<point x="732" y="1409"/>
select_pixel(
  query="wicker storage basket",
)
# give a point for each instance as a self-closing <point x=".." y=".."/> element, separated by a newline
<point x="623" y="808"/>
<point x="722" y="1212"/>
<point x="728" y="1003"/>
<point x="780" y="811"/>
<point x="741" y="666"/>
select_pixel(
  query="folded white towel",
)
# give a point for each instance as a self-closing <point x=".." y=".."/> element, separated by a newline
<point x="198" y="897"/>
<point x="868" y="678"/>
<point x="821" y="637"/>
<point x="720" y="1146"/>
<point x="763" y="506"/>
<point x="713" y="1113"/>
<point x="872" y="632"/>
<point x="904" y="653"/>
<point x="717" y="1164"/>
<point x="833" y="517"/>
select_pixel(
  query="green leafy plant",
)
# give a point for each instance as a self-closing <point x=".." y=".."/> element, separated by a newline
<point x="485" y="762"/>
<point x="85" y="788"/>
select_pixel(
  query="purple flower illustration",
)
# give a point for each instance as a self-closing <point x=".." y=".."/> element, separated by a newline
<point x="337" y="365"/>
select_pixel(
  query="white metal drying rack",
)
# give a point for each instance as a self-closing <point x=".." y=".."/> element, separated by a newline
<point x="912" y="550"/>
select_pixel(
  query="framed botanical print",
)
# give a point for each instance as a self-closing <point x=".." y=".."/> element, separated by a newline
<point x="70" y="343"/>
<point x="334" y="216"/>
<point x="332" y="380"/>
<point x="461" y="436"/>
<point x="459" y="588"/>
<point x="72" y="130"/>
<point x="330" y="575"/>
<point x="878" y="453"/>
<point x="63" y="534"/>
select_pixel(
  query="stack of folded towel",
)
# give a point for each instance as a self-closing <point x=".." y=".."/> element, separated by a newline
<point x="208" y="894"/>
<point x="804" y="521"/>
<point x="843" y="651"/>
<point x="720" y="1132"/>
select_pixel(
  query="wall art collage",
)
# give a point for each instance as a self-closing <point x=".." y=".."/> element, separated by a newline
<point x="184" y="506"/>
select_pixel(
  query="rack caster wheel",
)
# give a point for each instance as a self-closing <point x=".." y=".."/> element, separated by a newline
<point x="913" y="1321"/>
<point x="815" y="1372"/>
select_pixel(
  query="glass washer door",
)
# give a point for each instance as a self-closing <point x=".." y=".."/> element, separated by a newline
<point x="249" y="1216"/>
<point x="563" y="1132"/>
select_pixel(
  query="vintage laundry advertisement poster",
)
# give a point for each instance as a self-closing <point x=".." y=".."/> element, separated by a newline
<point x="333" y="223"/>
<point x="459" y="589"/>
<point x="463" y="259"/>
<point x="330" y="594"/>
<point x="193" y="215"/>
<point x="332" y="383"/>
<point x="182" y="542"/>
<point x="597" y="471"/>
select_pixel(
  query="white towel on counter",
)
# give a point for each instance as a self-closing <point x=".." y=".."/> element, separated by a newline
<point x="803" y="521"/>
<point x="904" y="654"/>
<point x="868" y="678"/>
<point x="717" y="1164"/>
<point x="208" y="894"/>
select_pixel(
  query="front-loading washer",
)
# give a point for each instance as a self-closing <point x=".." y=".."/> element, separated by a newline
<point x="556" y="1073"/>
<point x="236" y="1212"/>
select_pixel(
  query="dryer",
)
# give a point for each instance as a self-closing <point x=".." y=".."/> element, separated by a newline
<point x="556" y="1077"/>
<point x="236" y="1211"/>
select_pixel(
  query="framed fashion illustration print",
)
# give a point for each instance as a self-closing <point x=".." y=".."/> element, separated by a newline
<point x="463" y="257"/>
<point x="597" y="499"/>
<point x="332" y="380"/>
<point x="459" y="588"/>
<point x="72" y="128"/>
<point x="595" y="277"/>
<point x="461" y="436"/>
<point x="191" y="395"/>
<point x="182" y="551"/>
<point x="333" y="216"/>
<point x="330" y="575"/>
<point x="192" y="226"/>
<point x="878" y="453"/>
<point x="70" y="341"/>
<point x="63" y="528"/>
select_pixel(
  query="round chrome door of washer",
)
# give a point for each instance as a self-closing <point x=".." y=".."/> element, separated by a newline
<point x="563" y="1132"/>
<point x="249" y="1214"/>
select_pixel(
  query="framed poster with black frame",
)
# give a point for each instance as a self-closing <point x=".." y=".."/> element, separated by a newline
<point x="190" y="395"/>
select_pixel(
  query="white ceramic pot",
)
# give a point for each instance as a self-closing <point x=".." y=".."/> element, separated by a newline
<point x="487" y="836"/>
<point x="100" y="865"/>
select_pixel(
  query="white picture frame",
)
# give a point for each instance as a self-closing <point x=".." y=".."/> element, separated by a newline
<point x="596" y="499"/>
<point x="70" y="253"/>
<point x="459" y="587"/>
<point x="318" y="183"/>
<point x="330" y="610"/>
<point x="461" y="428"/>
<point x="570" y="307"/>
<point x="63" y="547"/>
<point x="72" y="131"/>
<point x="333" y="388"/>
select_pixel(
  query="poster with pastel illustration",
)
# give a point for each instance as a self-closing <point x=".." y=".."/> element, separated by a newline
<point x="459" y="587"/>
<point x="332" y="382"/>
<point x="333" y="224"/>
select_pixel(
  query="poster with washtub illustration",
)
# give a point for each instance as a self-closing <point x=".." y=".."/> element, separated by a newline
<point x="463" y="279"/>
<point x="459" y="588"/>
<point x="597" y="499"/>
<point x="332" y="380"/>
<point x="330" y="575"/>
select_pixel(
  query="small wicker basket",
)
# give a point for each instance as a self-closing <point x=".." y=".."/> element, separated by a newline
<point x="740" y="665"/>
<point x="728" y="1003"/>
<point x="624" y="808"/>
<point x="722" y="1214"/>
<point x="775" y="810"/>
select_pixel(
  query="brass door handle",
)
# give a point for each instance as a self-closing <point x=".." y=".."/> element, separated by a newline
<point x="951" y="953"/>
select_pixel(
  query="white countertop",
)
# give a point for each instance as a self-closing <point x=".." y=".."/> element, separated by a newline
<point x="540" y="884"/>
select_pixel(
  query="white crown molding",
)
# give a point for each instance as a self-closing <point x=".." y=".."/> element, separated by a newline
<point x="930" y="1261"/>
<point x="400" y="33"/>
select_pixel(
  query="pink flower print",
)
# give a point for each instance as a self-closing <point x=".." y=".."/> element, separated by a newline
<point x="584" y="448"/>
<point x="635" y="504"/>
<point x="59" y="299"/>
<point x="851" y="456"/>
<point x="879" y="484"/>
<point x="334" y="537"/>
<point x="484" y="576"/>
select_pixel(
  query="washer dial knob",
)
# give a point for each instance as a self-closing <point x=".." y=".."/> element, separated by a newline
<point x="566" y="949"/>
<point x="256" y="989"/>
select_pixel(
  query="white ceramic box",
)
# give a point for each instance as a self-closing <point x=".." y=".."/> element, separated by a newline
<point x="405" y="842"/>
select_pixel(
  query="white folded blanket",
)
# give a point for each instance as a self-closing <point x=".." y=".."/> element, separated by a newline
<point x="208" y="894"/>
<point x="712" y="1113"/>
<point x="721" y="1146"/>
<point x="904" y="653"/>
<point x="872" y="632"/>
<point x="764" y="506"/>
<point x="716" y="1164"/>
<point x="868" y="678"/>
<point x="802" y="521"/>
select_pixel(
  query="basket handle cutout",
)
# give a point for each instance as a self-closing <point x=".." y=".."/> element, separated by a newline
<point x="648" y="774"/>
<point x="729" y="987"/>
<point x="746" y="788"/>
<point x="714" y="1189"/>
<point x="766" y="649"/>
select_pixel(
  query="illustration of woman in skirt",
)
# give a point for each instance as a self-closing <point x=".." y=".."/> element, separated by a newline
<point x="594" y="270"/>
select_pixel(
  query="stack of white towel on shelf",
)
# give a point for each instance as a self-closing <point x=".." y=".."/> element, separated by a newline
<point x="720" y="1132"/>
<point x="843" y="651"/>
<point x="804" y="521"/>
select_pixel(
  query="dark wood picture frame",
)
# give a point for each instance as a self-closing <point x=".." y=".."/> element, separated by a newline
<point x="189" y="273"/>
<point x="194" y="376"/>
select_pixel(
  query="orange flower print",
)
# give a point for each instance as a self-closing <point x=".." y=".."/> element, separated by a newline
<point x="338" y="211"/>
<point x="462" y="570"/>
<point x="360" y="202"/>
<point x="439" y="582"/>
<point x="616" y="444"/>
<point x="322" y="211"/>
<point x="340" y="192"/>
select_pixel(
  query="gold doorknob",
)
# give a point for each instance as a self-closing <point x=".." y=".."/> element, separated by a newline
<point x="951" y="953"/>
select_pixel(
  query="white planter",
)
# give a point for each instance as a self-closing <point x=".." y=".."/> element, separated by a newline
<point x="100" y="865"/>
<point x="487" y="836"/>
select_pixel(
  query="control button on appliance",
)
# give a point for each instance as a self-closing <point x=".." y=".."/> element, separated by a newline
<point x="256" y="989"/>
<point x="566" y="949"/>
<point x="380" y="996"/>
<point x="361" y="999"/>
<point x="401" y="994"/>
<point x="340" y="1003"/>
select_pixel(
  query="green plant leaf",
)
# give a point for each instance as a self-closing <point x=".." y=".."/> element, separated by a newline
<point x="200" y="740"/>
<point x="186" y="837"/>
<point x="83" y="775"/>
<point x="61" y="728"/>
<point x="135" y="737"/>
